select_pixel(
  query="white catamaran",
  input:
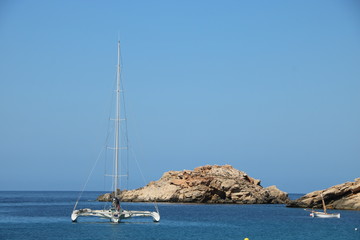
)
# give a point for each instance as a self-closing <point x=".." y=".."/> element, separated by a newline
<point x="115" y="213"/>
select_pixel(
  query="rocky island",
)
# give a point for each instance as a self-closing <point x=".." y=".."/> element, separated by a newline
<point x="343" y="196"/>
<point x="206" y="184"/>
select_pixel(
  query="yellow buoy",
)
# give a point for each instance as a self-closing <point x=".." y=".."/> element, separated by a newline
<point x="246" y="239"/>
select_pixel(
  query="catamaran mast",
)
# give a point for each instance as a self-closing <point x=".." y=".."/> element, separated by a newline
<point x="117" y="124"/>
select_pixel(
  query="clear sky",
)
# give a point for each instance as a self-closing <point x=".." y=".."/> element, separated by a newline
<point x="270" y="87"/>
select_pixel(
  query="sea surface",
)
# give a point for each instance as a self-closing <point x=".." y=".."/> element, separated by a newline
<point x="46" y="215"/>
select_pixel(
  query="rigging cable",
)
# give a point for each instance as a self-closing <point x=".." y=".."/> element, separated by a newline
<point x="98" y="157"/>
<point x="142" y="175"/>
<point x="88" y="178"/>
<point x="126" y="136"/>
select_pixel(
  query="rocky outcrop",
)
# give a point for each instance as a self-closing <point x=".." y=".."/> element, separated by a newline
<point x="342" y="196"/>
<point x="207" y="184"/>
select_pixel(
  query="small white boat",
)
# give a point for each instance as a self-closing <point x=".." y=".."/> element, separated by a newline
<point x="324" y="214"/>
<point x="115" y="213"/>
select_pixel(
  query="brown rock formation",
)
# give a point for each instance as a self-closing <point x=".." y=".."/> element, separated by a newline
<point x="342" y="196"/>
<point x="207" y="184"/>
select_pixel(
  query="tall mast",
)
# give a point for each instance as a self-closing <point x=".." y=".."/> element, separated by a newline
<point x="323" y="202"/>
<point x="117" y="123"/>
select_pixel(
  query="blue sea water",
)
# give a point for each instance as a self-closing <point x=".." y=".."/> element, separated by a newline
<point x="46" y="215"/>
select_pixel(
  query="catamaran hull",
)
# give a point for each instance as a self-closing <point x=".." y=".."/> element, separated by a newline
<point x="114" y="217"/>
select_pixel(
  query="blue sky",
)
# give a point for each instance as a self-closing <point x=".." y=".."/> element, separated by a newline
<point x="270" y="87"/>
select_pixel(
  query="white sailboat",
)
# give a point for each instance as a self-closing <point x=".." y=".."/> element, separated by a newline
<point x="115" y="213"/>
<point x="324" y="214"/>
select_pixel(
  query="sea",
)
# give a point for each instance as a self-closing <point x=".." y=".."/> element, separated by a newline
<point x="46" y="215"/>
